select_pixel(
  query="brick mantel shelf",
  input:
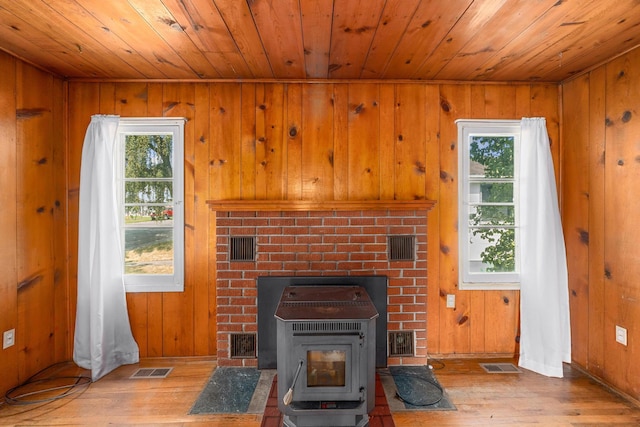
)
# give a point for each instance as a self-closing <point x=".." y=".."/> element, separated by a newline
<point x="307" y="205"/>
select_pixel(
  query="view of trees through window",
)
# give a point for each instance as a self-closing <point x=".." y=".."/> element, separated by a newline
<point x="491" y="205"/>
<point x="148" y="203"/>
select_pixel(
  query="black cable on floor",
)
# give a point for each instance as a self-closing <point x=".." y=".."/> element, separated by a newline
<point x="14" y="396"/>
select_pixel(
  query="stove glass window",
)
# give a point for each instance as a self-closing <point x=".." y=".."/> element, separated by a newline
<point x="326" y="368"/>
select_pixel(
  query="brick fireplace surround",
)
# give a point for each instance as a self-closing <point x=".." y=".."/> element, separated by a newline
<point x="320" y="243"/>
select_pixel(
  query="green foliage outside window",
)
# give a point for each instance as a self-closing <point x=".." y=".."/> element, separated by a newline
<point x="493" y="219"/>
<point x="148" y="173"/>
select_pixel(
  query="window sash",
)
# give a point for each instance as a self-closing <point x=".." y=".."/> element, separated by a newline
<point x="470" y="279"/>
<point x="165" y="282"/>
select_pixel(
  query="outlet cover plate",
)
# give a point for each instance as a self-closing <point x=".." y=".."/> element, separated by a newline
<point x="8" y="338"/>
<point x="621" y="335"/>
<point x="451" y="301"/>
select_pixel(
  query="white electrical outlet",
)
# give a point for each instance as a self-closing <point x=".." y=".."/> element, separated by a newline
<point x="8" y="338"/>
<point x="451" y="301"/>
<point x="621" y="335"/>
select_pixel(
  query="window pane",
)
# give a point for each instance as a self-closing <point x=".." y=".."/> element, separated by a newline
<point x="492" y="250"/>
<point x="491" y="156"/>
<point x="148" y="192"/>
<point x="492" y="215"/>
<point x="491" y="192"/>
<point x="148" y="250"/>
<point x="148" y="156"/>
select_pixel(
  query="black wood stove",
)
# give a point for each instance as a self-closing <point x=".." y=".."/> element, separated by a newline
<point x="326" y="355"/>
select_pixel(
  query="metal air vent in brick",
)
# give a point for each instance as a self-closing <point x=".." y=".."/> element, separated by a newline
<point x="151" y="373"/>
<point x="500" y="368"/>
<point x="243" y="249"/>
<point x="243" y="346"/>
<point x="401" y="343"/>
<point x="401" y="248"/>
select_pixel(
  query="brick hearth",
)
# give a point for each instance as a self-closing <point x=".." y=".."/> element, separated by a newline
<point x="321" y="243"/>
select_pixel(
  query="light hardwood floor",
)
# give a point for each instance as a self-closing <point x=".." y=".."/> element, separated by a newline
<point x="481" y="399"/>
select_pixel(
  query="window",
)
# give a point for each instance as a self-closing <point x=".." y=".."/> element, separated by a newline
<point x="488" y="204"/>
<point x="151" y="171"/>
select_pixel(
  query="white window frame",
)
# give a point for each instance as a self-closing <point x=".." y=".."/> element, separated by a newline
<point x="484" y="280"/>
<point x="175" y="126"/>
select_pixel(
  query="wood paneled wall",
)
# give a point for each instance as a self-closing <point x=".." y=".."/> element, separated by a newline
<point x="33" y="243"/>
<point x="600" y="180"/>
<point x="315" y="141"/>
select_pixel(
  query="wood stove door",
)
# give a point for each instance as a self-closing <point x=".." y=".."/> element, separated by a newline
<point x="330" y="368"/>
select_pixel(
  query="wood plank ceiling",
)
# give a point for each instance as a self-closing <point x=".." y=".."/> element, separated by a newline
<point x="484" y="40"/>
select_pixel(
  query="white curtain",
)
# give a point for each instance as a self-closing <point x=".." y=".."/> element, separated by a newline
<point x="545" y="336"/>
<point x="103" y="339"/>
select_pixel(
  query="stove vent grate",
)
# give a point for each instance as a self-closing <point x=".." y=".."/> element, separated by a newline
<point x="326" y="326"/>
<point x="289" y="304"/>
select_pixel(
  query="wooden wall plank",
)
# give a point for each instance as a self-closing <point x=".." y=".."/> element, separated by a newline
<point x="622" y="172"/>
<point x="199" y="268"/>
<point x="410" y="148"/>
<point x="35" y="197"/>
<point x="341" y="146"/>
<point x="454" y="324"/>
<point x="248" y="141"/>
<point x="544" y="103"/>
<point x="270" y="148"/>
<point x="293" y="133"/>
<point x="363" y="139"/>
<point x="387" y="141"/>
<point x="317" y="142"/>
<point x="596" y="198"/>
<point x="432" y="192"/>
<point x="178" y="307"/>
<point x="8" y="210"/>
<point x="62" y="339"/>
<point x="575" y="210"/>
<point x="225" y="132"/>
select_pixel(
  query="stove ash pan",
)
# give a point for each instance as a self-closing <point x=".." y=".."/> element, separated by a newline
<point x="326" y="355"/>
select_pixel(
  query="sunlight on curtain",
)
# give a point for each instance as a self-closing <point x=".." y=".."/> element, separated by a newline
<point x="545" y="337"/>
<point x="103" y="339"/>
